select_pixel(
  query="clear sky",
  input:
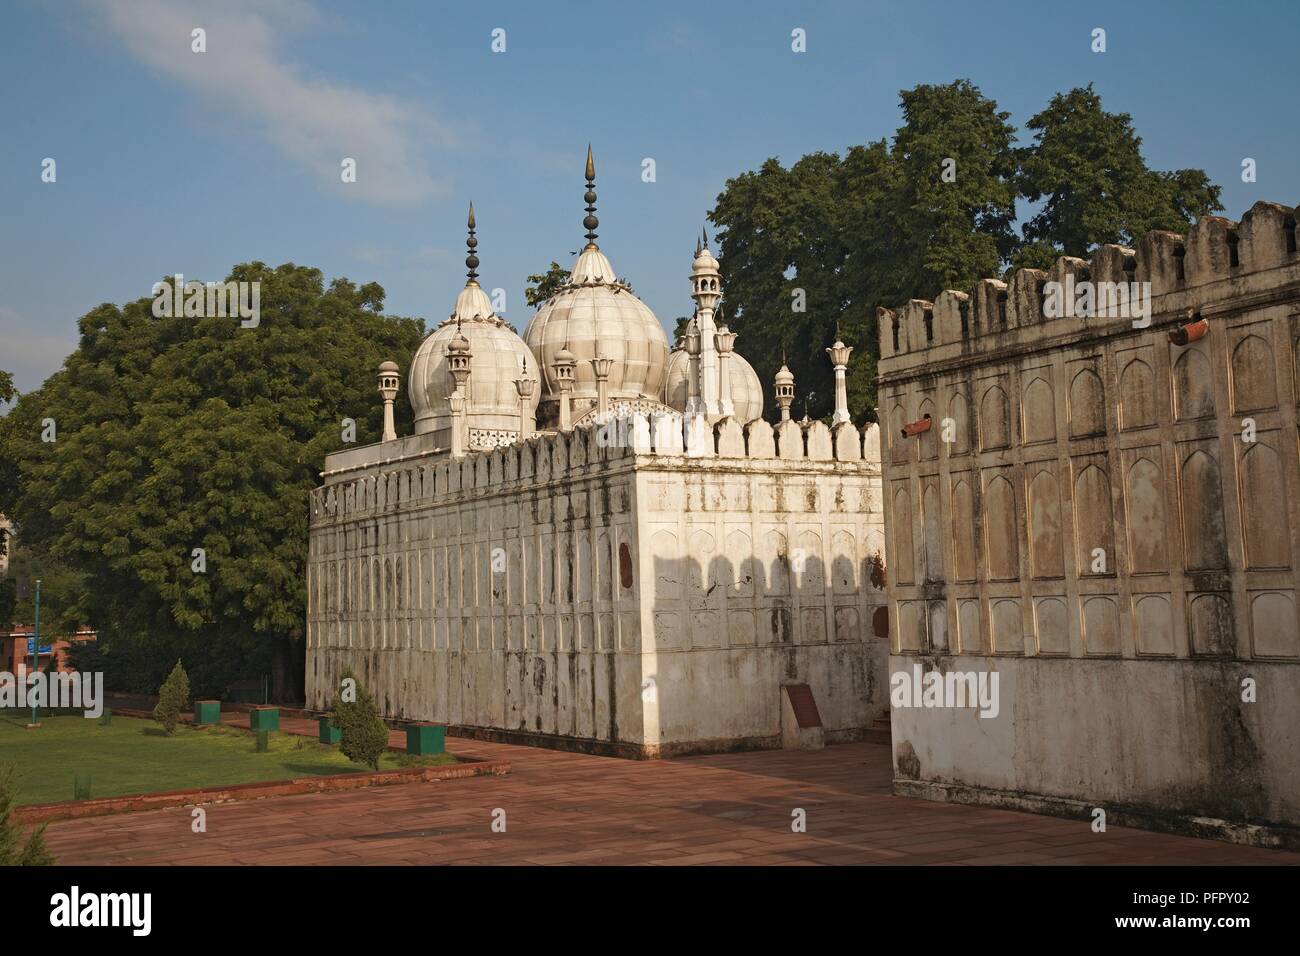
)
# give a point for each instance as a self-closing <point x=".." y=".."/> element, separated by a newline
<point x="171" y="161"/>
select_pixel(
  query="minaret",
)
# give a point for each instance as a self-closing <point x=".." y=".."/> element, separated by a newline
<point x="524" y="386"/>
<point x="564" y="366"/>
<point x="839" y="353"/>
<point x="601" y="366"/>
<point x="388" y="384"/>
<point x="706" y="289"/>
<point x="692" y="339"/>
<point x="458" y="360"/>
<point x="783" y="385"/>
<point x="724" y="340"/>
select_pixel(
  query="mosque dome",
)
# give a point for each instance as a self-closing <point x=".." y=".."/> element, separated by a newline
<point x="498" y="358"/>
<point x="594" y="315"/>
<point x="745" y="388"/>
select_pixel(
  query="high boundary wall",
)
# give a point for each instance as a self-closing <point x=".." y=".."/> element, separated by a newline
<point x="641" y="589"/>
<point x="1161" y="682"/>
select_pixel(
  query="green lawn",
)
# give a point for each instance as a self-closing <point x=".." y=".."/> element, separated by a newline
<point x="130" y="755"/>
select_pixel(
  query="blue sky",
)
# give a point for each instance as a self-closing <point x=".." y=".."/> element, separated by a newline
<point x="170" y="161"/>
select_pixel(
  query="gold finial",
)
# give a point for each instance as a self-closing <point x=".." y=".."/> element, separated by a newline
<point x="471" y="260"/>
<point x="591" y="222"/>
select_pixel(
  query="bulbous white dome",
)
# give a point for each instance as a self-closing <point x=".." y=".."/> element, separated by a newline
<point x="746" y="390"/>
<point x="595" y="315"/>
<point x="498" y="357"/>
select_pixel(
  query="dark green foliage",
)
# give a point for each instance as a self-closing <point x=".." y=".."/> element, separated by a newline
<point x="183" y="433"/>
<point x="364" y="736"/>
<point x="173" y="698"/>
<point x="13" y="850"/>
<point x="882" y="224"/>
<point x="1086" y="168"/>
<point x="545" y="284"/>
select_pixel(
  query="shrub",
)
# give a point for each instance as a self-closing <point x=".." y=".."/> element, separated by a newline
<point x="363" y="736"/>
<point x="173" y="697"/>
<point x="31" y="853"/>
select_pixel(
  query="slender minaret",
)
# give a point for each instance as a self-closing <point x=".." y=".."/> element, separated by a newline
<point x="564" y="366"/>
<point x="706" y="289"/>
<point x="458" y="361"/>
<point x="524" y="386"/>
<point x="839" y="353"/>
<point x="783" y="385"/>
<point x="692" y="338"/>
<point x="388" y="384"/>
<point x="724" y="340"/>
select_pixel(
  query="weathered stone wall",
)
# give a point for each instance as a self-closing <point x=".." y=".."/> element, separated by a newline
<point x="1076" y="439"/>
<point x="629" y="591"/>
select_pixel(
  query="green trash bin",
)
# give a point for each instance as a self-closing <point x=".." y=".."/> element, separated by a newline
<point x="207" y="712"/>
<point x="423" y="738"/>
<point x="330" y="732"/>
<point x="264" y="718"/>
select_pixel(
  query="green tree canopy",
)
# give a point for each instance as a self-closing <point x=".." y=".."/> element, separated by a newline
<point x="933" y="209"/>
<point x="543" y="285"/>
<point x="1086" y="168"/>
<point x="182" y="433"/>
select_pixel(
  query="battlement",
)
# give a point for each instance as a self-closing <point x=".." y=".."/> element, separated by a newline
<point x="1218" y="262"/>
<point x="587" y="450"/>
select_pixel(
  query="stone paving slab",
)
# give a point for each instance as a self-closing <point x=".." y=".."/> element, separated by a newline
<point x="576" y="809"/>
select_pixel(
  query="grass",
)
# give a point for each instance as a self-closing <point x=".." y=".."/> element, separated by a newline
<point x="130" y="756"/>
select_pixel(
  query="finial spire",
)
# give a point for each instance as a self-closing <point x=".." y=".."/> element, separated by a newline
<point x="591" y="222"/>
<point x="704" y="240"/>
<point x="471" y="260"/>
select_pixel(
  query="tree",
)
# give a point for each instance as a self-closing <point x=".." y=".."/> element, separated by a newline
<point x="7" y="391"/>
<point x="363" y="735"/>
<point x="544" y="285"/>
<point x="184" y="433"/>
<point x="1086" y="168"/>
<point x="173" y="698"/>
<point x="31" y="853"/>
<point x="839" y="236"/>
<point x="933" y="209"/>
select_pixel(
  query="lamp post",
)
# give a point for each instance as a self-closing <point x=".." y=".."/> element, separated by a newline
<point x="36" y="649"/>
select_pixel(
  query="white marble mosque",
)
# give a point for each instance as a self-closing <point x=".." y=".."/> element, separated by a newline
<point x="592" y="542"/>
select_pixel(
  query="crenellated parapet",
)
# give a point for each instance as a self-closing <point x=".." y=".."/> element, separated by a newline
<point x="589" y="450"/>
<point x="1216" y="263"/>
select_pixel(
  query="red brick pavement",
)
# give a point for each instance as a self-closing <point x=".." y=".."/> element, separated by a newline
<point x="564" y="808"/>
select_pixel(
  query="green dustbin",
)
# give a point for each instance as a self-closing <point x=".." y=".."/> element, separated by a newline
<point x="422" y="739"/>
<point x="264" y="718"/>
<point x="207" y="712"/>
<point x="330" y="732"/>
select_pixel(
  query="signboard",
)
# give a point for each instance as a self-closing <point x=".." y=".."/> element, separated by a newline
<point x="31" y="646"/>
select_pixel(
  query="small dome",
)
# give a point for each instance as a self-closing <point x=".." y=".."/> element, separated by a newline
<point x="498" y="357"/>
<point x="565" y="357"/>
<point x="704" y="263"/>
<point x="387" y="367"/>
<point x="746" y="390"/>
<point x="784" y="376"/>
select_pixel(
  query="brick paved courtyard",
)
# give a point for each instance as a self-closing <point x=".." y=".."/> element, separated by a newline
<point x="566" y="808"/>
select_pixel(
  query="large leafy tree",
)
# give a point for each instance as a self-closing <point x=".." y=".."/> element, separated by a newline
<point x="933" y="209"/>
<point x="174" y="434"/>
<point x="883" y="223"/>
<point x="1085" y="167"/>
